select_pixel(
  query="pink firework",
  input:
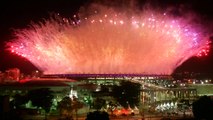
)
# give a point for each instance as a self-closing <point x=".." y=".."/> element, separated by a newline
<point x="110" y="42"/>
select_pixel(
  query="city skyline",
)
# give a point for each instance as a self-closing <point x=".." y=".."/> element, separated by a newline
<point x="18" y="15"/>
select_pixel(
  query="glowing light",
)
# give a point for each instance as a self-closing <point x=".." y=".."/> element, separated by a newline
<point x="108" y="42"/>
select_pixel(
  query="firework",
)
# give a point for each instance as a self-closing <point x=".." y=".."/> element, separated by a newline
<point x="110" y="42"/>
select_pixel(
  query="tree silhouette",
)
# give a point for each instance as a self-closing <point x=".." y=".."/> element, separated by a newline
<point x="127" y="93"/>
<point x="203" y="108"/>
<point x="19" y="100"/>
<point x="97" y="115"/>
<point x="99" y="103"/>
<point x="65" y="107"/>
<point x="41" y="98"/>
<point x="76" y="104"/>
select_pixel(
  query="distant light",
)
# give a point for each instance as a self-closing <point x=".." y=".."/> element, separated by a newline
<point x="122" y="22"/>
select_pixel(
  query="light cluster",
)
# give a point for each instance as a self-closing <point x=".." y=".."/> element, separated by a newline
<point x="205" y="50"/>
<point x="110" y="42"/>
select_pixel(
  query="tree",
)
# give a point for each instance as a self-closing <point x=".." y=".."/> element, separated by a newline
<point x="203" y="108"/>
<point x="99" y="103"/>
<point x="76" y="104"/>
<point x="65" y="107"/>
<point x="127" y="93"/>
<point x="19" y="100"/>
<point x="41" y="98"/>
<point x="97" y="115"/>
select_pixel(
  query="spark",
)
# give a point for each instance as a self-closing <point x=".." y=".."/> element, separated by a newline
<point x="149" y="43"/>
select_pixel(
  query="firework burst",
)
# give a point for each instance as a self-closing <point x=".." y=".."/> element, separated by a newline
<point x="110" y="42"/>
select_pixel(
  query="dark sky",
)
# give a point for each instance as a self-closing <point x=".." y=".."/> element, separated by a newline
<point x="15" y="14"/>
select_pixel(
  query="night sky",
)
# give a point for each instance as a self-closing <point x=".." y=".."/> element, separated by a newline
<point x="17" y="14"/>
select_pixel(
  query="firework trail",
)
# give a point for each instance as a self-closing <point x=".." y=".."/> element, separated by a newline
<point x="110" y="42"/>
